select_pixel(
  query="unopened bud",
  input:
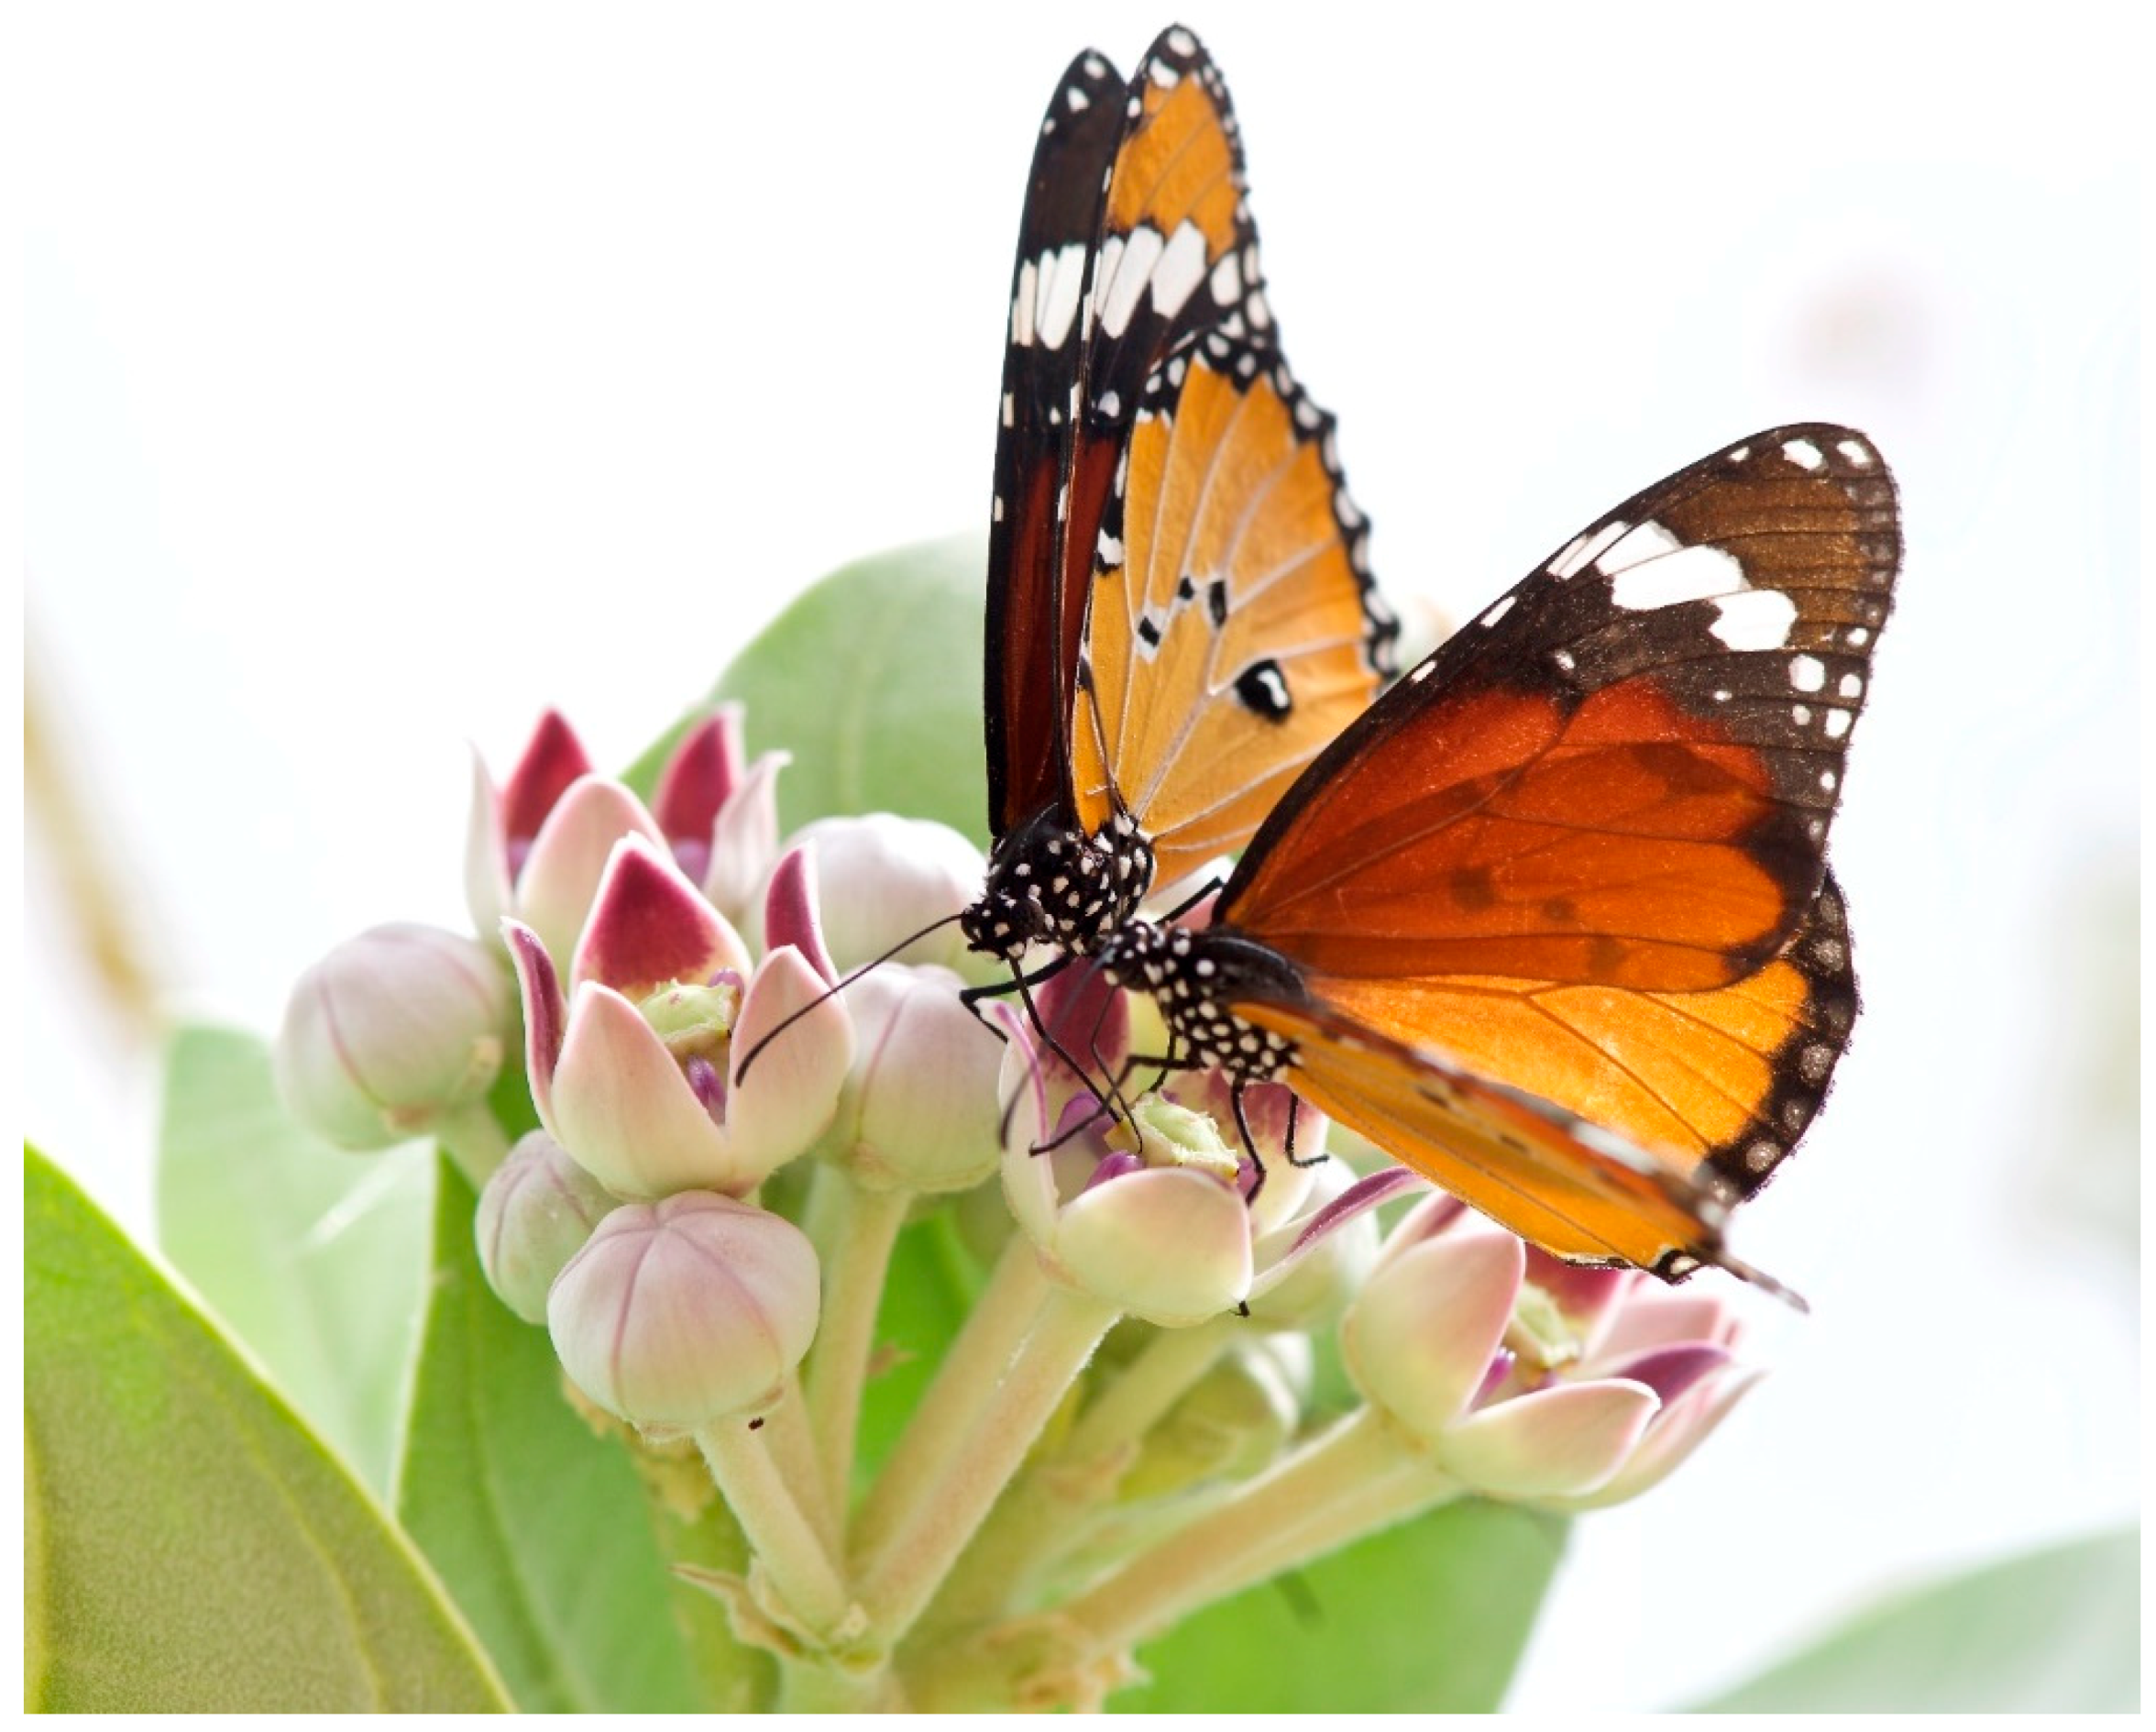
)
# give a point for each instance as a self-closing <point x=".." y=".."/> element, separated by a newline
<point x="391" y="1032"/>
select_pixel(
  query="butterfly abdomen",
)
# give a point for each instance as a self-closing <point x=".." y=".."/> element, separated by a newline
<point x="1195" y="975"/>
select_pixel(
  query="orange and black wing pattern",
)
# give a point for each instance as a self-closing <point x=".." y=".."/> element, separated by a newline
<point x="1580" y="852"/>
<point x="1135" y="238"/>
<point x="1233" y="630"/>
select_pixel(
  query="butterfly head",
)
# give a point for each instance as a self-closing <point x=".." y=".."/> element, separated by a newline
<point x="1051" y="883"/>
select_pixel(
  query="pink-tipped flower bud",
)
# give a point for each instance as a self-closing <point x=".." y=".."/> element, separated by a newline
<point x="391" y="1032"/>
<point x="534" y="1215"/>
<point x="681" y="1312"/>
<point x="1565" y="1389"/>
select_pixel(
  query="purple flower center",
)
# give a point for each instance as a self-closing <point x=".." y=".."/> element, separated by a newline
<point x="708" y="1084"/>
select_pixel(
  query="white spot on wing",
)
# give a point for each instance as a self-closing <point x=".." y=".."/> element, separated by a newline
<point x="1857" y="452"/>
<point x="1804" y="454"/>
<point x="1649" y="541"/>
<point x="1500" y="611"/>
<point x="1807" y="673"/>
<point x="1758" y="619"/>
<point x="1126" y="266"/>
<point x="1690" y="574"/>
<point x="1837" y="723"/>
<point x="1062" y="278"/>
<point x="1180" y="269"/>
<point x="1852" y="685"/>
<point x="1227" y="280"/>
<point x="1022" y="304"/>
<point x="1584" y="548"/>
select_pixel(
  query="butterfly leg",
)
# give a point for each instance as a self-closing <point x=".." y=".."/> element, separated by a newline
<point x="1235" y="1098"/>
<point x="1296" y="1106"/>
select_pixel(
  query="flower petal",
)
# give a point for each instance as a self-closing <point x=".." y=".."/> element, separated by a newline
<point x="790" y="912"/>
<point x="1421" y="1334"/>
<point x="744" y="836"/>
<point x="622" y="1107"/>
<point x="569" y="857"/>
<point x="546" y="1014"/>
<point x="1654" y="1315"/>
<point x="553" y="759"/>
<point x="649" y="926"/>
<point x="703" y="769"/>
<point x="775" y="1112"/>
<point x="1168" y="1244"/>
<point x="487" y="889"/>
<point x="1677" y="1431"/>
<point x="1556" y="1442"/>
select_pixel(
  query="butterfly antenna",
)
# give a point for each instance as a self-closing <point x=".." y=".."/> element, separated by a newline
<point x="755" y="1052"/>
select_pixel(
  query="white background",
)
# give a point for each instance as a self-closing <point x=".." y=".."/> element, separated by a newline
<point x="393" y="372"/>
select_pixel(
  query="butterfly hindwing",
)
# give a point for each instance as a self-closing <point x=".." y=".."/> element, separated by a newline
<point x="1580" y="853"/>
<point x="1623" y="772"/>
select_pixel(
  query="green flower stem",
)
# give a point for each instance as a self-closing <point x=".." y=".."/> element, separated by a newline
<point x="979" y="1460"/>
<point x="1045" y="1513"/>
<point x="790" y="1436"/>
<point x="470" y="1137"/>
<point x="854" y="1231"/>
<point x="782" y="1539"/>
<point x="961" y="1388"/>
<point x="1308" y="1504"/>
<point x="808" y="1686"/>
<point x="1138" y="1398"/>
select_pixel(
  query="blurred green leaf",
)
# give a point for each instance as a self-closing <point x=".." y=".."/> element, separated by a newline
<point x="190" y="1546"/>
<point x="539" y="1526"/>
<point x="872" y="679"/>
<point x="2057" y="1631"/>
<point x="310" y="1254"/>
<point x="1427" y="1618"/>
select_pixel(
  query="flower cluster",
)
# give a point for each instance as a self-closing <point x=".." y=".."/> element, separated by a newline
<point x="733" y="1131"/>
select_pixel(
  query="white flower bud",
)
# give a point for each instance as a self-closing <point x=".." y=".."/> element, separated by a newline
<point x="534" y="1215"/>
<point x="882" y="877"/>
<point x="391" y="1032"/>
<point x="919" y="1110"/>
<point x="684" y="1311"/>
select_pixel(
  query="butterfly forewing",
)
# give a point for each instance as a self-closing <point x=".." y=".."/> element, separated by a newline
<point x="1233" y="629"/>
<point x="1031" y="617"/>
<point x="1136" y="237"/>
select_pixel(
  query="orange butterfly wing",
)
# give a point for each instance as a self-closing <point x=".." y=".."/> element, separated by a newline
<point x="1580" y="851"/>
<point x="1233" y="630"/>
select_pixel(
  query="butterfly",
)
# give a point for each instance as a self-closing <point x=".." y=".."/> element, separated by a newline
<point x="1551" y="922"/>
<point x="1179" y="611"/>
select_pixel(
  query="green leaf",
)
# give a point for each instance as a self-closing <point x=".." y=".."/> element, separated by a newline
<point x="2056" y="1631"/>
<point x="1426" y="1617"/>
<point x="539" y="1526"/>
<point x="312" y="1255"/>
<point x="191" y="1547"/>
<point x="872" y="679"/>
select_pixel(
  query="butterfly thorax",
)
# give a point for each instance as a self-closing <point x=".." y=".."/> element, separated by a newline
<point x="1195" y="976"/>
<point x="1051" y="883"/>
